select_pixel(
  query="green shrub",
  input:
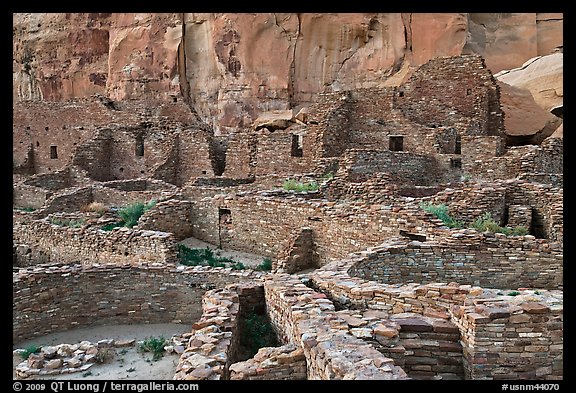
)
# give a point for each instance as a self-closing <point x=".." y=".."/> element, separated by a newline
<point x="441" y="212"/>
<point x="328" y="176"/>
<point x="26" y="209"/>
<point x="266" y="265"/>
<point x="112" y="225"/>
<point x="154" y="345"/>
<point x="131" y="214"/>
<point x="238" y="266"/>
<point x="486" y="223"/>
<point x="293" y="185"/>
<point x="201" y="256"/>
<point x="513" y="293"/>
<point x="257" y="333"/>
<point x="67" y="223"/>
<point x="29" y="350"/>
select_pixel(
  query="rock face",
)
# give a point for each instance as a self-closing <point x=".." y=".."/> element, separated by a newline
<point x="543" y="76"/>
<point x="233" y="67"/>
<point x="523" y="117"/>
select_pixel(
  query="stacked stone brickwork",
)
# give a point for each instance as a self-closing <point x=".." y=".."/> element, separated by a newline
<point x="468" y="258"/>
<point x="49" y="299"/>
<point x="207" y="355"/>
<point x="168" y="216"/>
<point x="272" y="363"/>
<point x="511" y="341"/>
<point x="490" y="321"/>
<point x="89" y="245"/>
<point x="299" y="254"/>
<point x="307" y="319"/>
<point x="454" y="91"/>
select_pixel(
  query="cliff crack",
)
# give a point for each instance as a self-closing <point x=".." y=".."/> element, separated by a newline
<point x="407" y="21"/>
<point x="292" y="74"/>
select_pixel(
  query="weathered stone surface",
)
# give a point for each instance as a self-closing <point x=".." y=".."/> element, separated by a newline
<point x="535" y="308"/>
<point x="382" y="330"/>
<point x="523" y="117"/>
<point x="542" y="76"/>
<point x="414" y="325"/>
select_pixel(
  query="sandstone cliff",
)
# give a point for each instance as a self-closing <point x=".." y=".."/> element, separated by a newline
<point x="232" y="67"/>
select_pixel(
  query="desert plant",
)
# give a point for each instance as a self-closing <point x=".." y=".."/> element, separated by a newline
<point x="131" y="214"/>
<point x="293" y="185"/>
<point x="257" y="333"/>
<point x="26" y="209"/>
<point x="486" y="223"/>
<point x="202" y="256"/>
<point x="29" y="350"/>
<point x="112" y="225"/>
<point x="68" y="223"/>
<point x="327" y="176"/>
<point x="155" y="345"/>
<point x="513" y="293"/>
<point x="104" y="354"/>
<point x="238" y="266"/>
<point x="95" y="207"/>
<point x="441" y="212"/>
<point x="266" y="265"/>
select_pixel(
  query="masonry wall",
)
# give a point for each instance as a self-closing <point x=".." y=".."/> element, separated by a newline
<point x="168" y="216"/>
<point x="547" y="207"/>
<point x="445" y="90"/>
<point x="54" y="299"/>
<point x="519" y="261"/>
<point x="193" y="158"/>
<point x="525" y="342"/>
<point x="497" y="331"/>
<point x="90" y="245"/>
<point x="473" y="201"/>
<point x="274" y="152"/>
<point x="263" y="225"/>
<point x="307" y="319"/>
<point x="241" y="156"/>
<point x="93" y="156"/>
<point x="29" y="196"/>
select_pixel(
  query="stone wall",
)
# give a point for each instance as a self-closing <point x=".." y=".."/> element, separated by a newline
<point x="241" y="156"/>
<point x="307" y="319"/>
<point x="300" y="253"/>
<point x="547" y="203"/>
<point x="276" y="151"/>
<point x="504" y="341"/>
<point x="454" y="91"/>
<point x="48" y="299"/>
<point x="213" y="337"/>
<point x="88" y="245"/>
<point x="29" y="196"/>
<point x="473" y="200"/>
<point x="516" y="352"/>
<point x="168" y="216"/>
<point x="468" y="258"/>
<point x="272" y="363"/>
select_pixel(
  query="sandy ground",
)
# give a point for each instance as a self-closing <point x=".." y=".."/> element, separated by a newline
<point x="249" y="260"/>
<point x="128" y="364"/>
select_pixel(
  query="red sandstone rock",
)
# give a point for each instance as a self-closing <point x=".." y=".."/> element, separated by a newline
<point x="235" y="66"/>
<point x="414" y="325"/>
<point x="535" y="308"/>
<point x="382" y="330"/>
<point x="542" y="76"/>
<point x="523" y="117"/>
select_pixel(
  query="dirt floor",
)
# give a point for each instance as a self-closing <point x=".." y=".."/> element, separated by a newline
<point x="249" y="260"/>
<point x="127" y="364"/>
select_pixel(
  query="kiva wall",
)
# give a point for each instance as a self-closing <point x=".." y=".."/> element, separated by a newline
<point x="58" y="298"/>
